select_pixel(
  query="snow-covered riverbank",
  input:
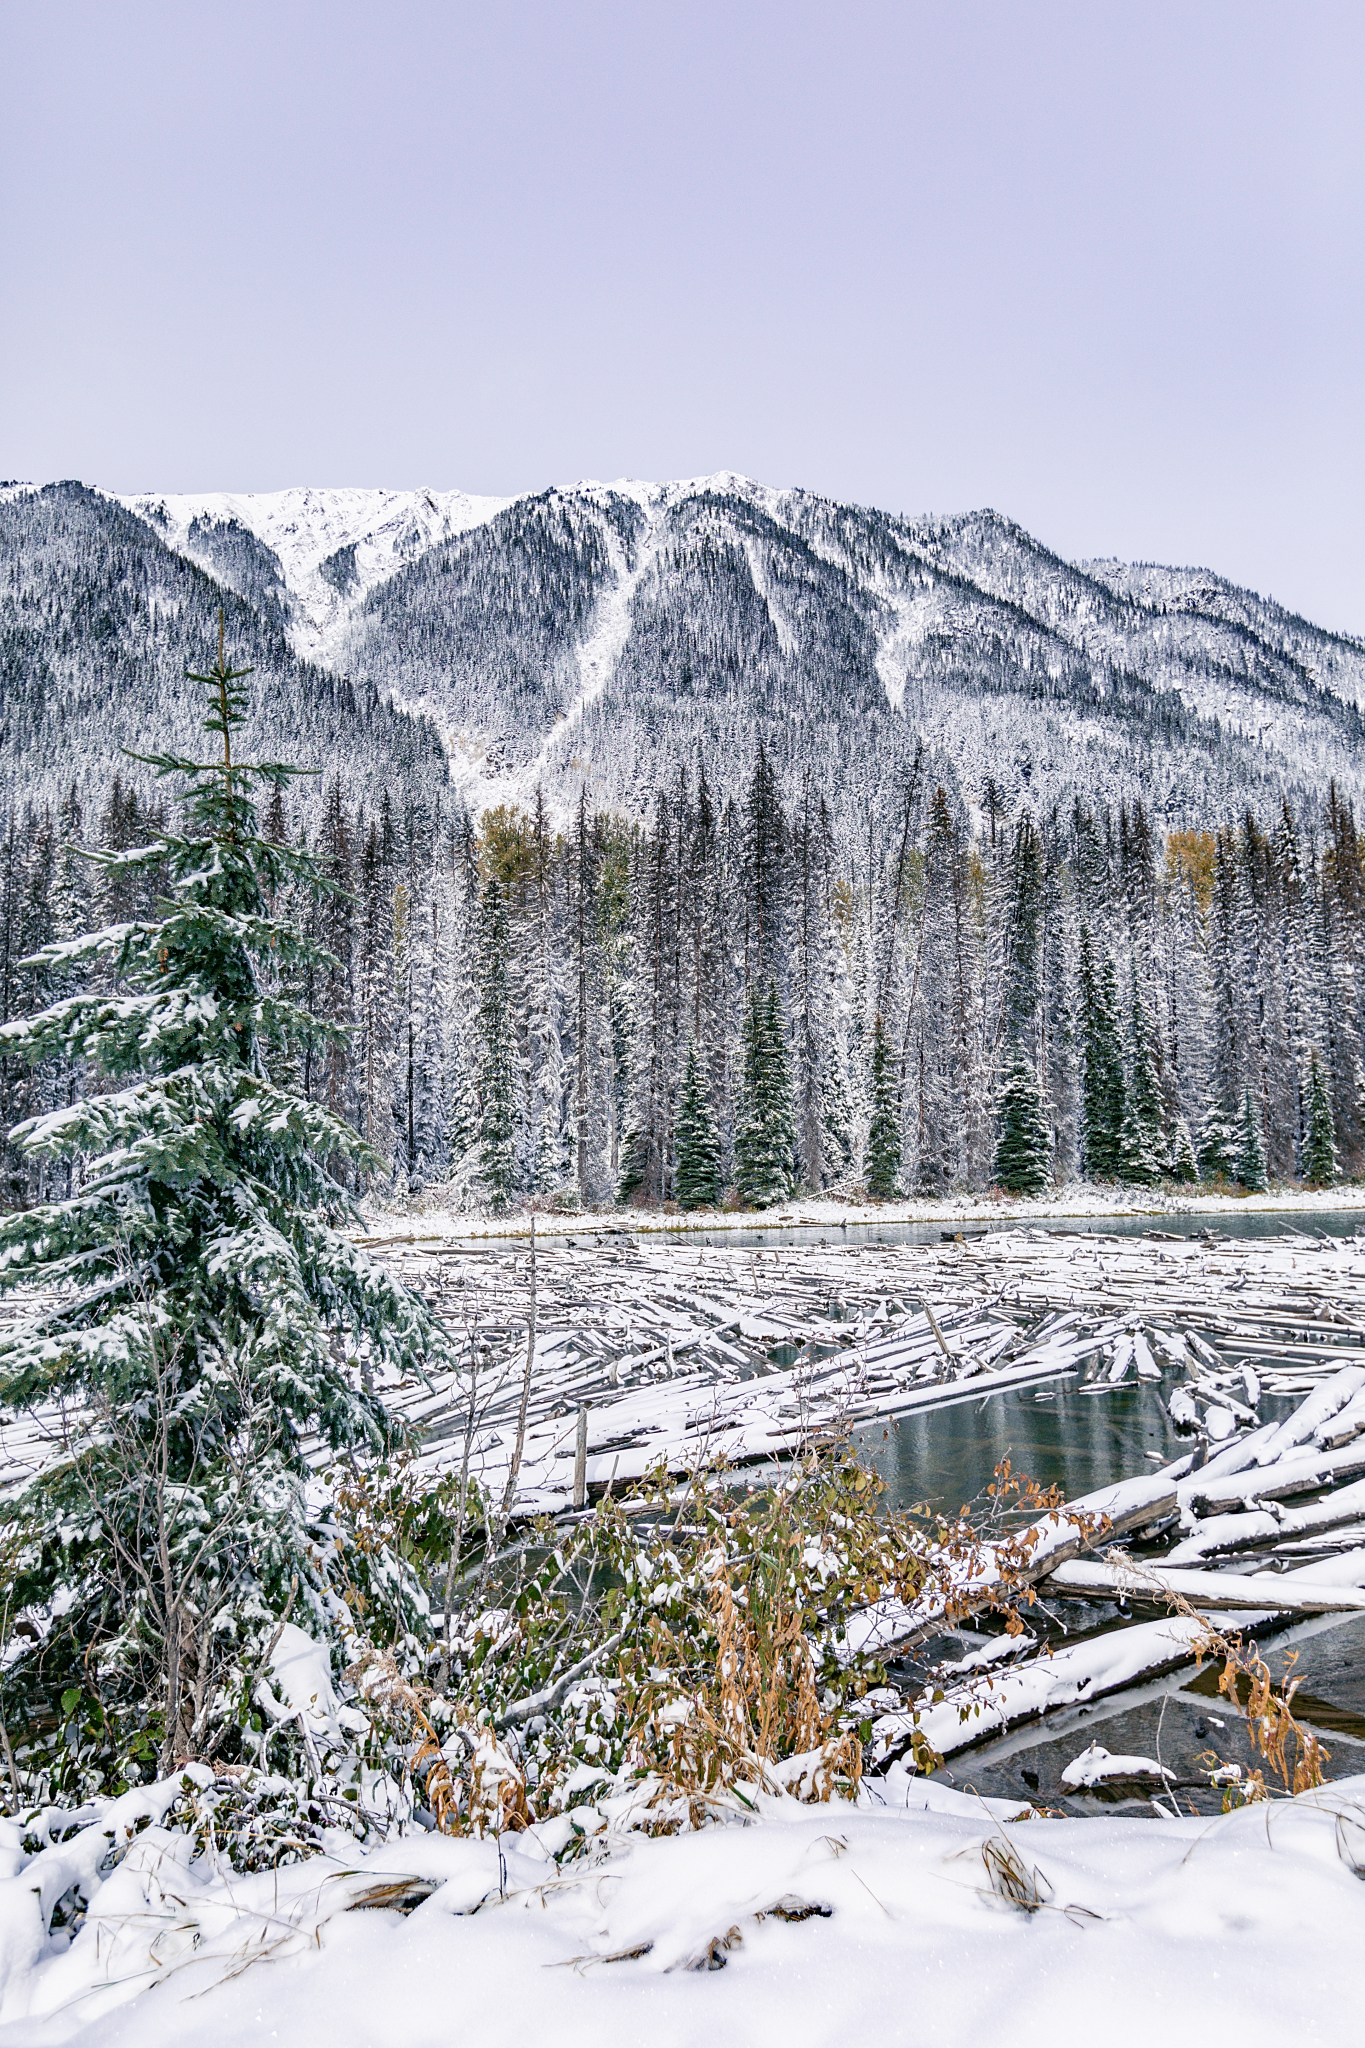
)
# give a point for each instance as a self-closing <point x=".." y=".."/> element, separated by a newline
<point x="427" y="1219"/>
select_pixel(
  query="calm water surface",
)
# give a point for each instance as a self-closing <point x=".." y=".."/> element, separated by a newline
<point x="1058" y="1434"/>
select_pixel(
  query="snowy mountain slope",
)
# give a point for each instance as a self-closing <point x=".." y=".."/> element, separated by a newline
<point x="610" y="633"/>
<point x="832" y="630"/>
<point x="331" y="546"/>
<point x="99" y="620"/>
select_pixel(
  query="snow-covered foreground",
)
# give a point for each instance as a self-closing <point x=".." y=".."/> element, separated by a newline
<point x="920" y="1914"/>
<point x="931" y="1917"/>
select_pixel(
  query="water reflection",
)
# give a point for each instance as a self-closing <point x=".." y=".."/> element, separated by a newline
<point x="1249" y="1223"/>
<point x="1074" y="1440"/>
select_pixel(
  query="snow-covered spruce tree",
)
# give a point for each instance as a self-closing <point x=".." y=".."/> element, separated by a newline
<point x="884" y="1134"/>
<point x="498" y="1075"/>
<point x="1022" y="1160"/>
<point x="1181" y="1165"/>
<point x="1023" y="1152"/>
<point x="197" y="1299"/>
<point x="1319" y="1144"/>
<point x="946" y="1065"/>
<point x="698" y="1177"/>
<point x="1102" y="1085"/>
<point x="766" y="1140"/>
<point x="1218" y="1141"/>
<point x="1021" y="995"/>
<point x="376" y="1005"/>
<point x="1250" y="1150"/>
<point x="547" y="1138"/>
<point x="1142" y="1139"/>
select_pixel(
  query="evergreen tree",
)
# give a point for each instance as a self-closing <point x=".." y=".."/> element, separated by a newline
<point x="497" y="1051"/>
<point x="430" y="1022"/>
<point x="1142" y="1142"/>
<point x="766" y="1141"/>
<point x="1250" y="1151"/>
<point x="765" y="843"/>
<point x="1023" y="939"/>
<point x="1102" y="1085"/>
<point x="1182" y="1165"/>
<point x="546" y="1081"/>
<point x="699" y="1180"/>
<point x="461" y="1087"/>
<point x="1319" y="1145"/>
<point x="1230" y="976"/>
<point x="335" y="928"/>
<point x="376" y="994"/>
<point x="1023" y="1149"/>
<point x="884" y="1136"/>
<point x="198" y="1295"/>
<point x="1336" y="944"/>
<point x="1058" y="1069"/>
<point x="946" y="1056"/>
<point x="1218" y="1142"/>
<point x="649" y="1138"/>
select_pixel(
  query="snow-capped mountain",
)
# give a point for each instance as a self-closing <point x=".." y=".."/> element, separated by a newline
<point x="331" y="547"/>
<point x="608" y="632"/>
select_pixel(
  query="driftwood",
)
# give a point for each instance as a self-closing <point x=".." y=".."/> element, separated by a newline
<point x="1267" y="1593"/>
<point x="683" y="1350"/>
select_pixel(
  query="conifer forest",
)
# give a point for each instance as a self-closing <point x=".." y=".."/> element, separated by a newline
<point x="740" y="996"/>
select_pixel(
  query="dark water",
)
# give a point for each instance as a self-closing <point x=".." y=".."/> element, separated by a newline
<point x="1252" y="1223"/>
<point x="1178" y="1721"/>
<point x="1056" y="1434"/>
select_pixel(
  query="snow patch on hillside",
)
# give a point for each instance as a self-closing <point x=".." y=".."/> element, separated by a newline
<point x="906" y="623"/>
<point x="602" y="648"/>
<point x="763" y="584"/>
<point x="725" y="483"/>
<point x="312" y="532"/>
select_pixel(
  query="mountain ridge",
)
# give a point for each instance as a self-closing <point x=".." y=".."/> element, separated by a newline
<point x="607" y="632"/>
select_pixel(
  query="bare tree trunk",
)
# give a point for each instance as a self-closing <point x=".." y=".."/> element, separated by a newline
<point x="515" y="1466"/>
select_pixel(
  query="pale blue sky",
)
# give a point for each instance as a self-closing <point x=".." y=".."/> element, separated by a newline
<point x="1097" y="265"/>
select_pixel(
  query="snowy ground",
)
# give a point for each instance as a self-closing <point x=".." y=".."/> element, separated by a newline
<point x="831" y="1924"/>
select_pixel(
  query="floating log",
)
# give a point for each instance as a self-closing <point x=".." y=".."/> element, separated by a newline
<point x="1263" y="1592"/>
<point x="981" y="1708"/>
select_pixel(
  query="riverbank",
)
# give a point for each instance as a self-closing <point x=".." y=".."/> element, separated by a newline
<point x="427" y="1219"/>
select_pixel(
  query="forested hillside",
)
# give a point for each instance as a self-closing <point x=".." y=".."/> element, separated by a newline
<point x="782" y="845"/>
<point x="98" y="622"/>
<point x="606" y="634"/>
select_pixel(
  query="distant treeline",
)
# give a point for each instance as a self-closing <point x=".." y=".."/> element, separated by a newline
<point x="753" y="996"/>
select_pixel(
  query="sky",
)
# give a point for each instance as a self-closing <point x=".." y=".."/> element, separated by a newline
<point x="1098" y="266"/>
